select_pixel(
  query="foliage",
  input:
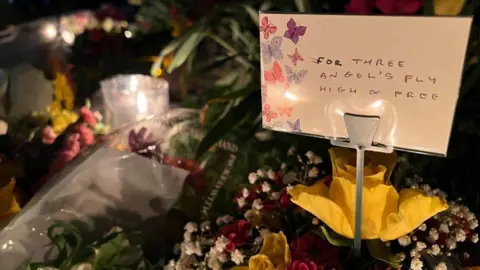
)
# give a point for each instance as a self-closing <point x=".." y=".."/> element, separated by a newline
<point x="69" y="250"/>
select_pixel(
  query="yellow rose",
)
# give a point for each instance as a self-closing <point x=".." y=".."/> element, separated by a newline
<point x="448" y="7"/>
<point x="8" y="203"/>
<point x="387" y="214"/>
<point x="274" y="255"/>
<point x="62" y="121"/>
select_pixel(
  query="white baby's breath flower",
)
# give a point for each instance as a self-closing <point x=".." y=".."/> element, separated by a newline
<point x="283" y="166"/>
<point x="317" y="160"/>
<point x="260" y="173"/>
<point x="275" y="195"/>
<point x="266" y="187"/>
<point x="444" y="228"/>
<point x="426" y="187"/>
<point x="257" y="204"/>
<point x="400" y="257"/>
<point x="435" y="250"/>
<point x="241" y="202"/>
<point x="420" y="246"/>
<point x="227" y="219"/>
<point x="473" y="224"/>
<point x="466" y="255"/>
<point x="422" y="227"/>
<point x="291" y="151"/>
<point x="313" y="172"/>
<point x="441" y="266"/>
<point x="433" y="235"/>
<point x="470" y="215"/>
<point x="414" y="253"/>
<point x="245" y="193"/>
<point x="404" y="240"/>
<point x="271" y="174"/>
<point x="474" y="238"/>
<point x="237" y="257"/>
<point x="193" y="248"/>
<point x="451" y="243"/>
<point x="222" y="257"/>
<point x="191" y="227"/>
<point x="460" y="235"/>
<point x="416" y="264"/>
<point x="220" y="244"/>
<point x="315" y="221"/>
<point x="187" y="236"/>
<point x="252" y="178"/>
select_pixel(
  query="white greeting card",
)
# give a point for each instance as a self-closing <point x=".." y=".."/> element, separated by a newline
<point x="406" y="70"/>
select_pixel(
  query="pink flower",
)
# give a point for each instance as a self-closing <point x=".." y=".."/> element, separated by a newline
<point x="86" y="135"/>
<point x="62" y="159"/>
<point x="399" y="7"/>
<point x="72" y="143"/>
<point x="49" y="135"/>
<point x="88" y="116"/>
<point x="303" y="265"/>
<point x="389" y="7"/>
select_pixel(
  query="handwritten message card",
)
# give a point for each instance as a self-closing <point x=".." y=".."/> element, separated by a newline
<point x="406" y="70"/>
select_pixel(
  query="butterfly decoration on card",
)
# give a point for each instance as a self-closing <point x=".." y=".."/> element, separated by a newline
<point x="271" y="50"/>
<point x="294" y="32"/>
<point x="285" y="111"/>
<point x="295" y="57"/>
<point x="267" y="28"/>
<point x="295" y="76"/>
<point x="275" y="74"/>
<point x="268" y="113"/>
<point x="294" y="126"/>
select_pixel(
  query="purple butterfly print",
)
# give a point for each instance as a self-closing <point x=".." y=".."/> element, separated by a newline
<point x="271" y="50"/>
<point x="294" y="126"/>
<point x="294" y="32"/>
<point x="294" y="75"/>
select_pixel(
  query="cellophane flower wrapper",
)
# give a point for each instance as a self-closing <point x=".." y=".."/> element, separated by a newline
<point x="115" y="183"/>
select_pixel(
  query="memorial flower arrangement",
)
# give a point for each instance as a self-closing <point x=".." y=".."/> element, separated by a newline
<point x="296" y="217"/>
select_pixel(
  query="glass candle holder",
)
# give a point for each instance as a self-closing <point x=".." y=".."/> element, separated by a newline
<point x="130" y="98"/>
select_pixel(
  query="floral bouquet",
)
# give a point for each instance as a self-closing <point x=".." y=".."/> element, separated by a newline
<point x="298" y="218"/>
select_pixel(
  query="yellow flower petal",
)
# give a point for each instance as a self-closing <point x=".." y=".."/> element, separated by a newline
<point x="448" y="7"/>
<point x="414" y="209"/>
<point x="260" y="262"/>
<point x="275" y="247"/>
<point x="8" y="203"/>
<point x="315" y="199"/>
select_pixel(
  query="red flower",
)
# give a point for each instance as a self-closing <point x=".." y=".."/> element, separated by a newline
<point x="389" y="7"/>
<point x="312" y="247"/>
<point x="88" y="116"/>
<point x="238" y="233"/>
<point x="303" y="265"/>
<point x="285" y="200"/>
<point x="173" y="11"/>
<point x="279" y="179"/>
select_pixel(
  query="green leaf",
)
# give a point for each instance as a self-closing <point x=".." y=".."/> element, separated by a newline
<point x="334" y="238"/>
<point x="215" y="63"/>
<point x="380" y="251"/>
<point x="303" y="5"/>
<point x="252" y="13"/>
<point x="107" y="251"/>
<point x="227" y="123"/>
<point x="191" y="42"/>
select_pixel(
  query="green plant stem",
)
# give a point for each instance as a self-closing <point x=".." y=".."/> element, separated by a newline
<point x="231" y="51"/>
